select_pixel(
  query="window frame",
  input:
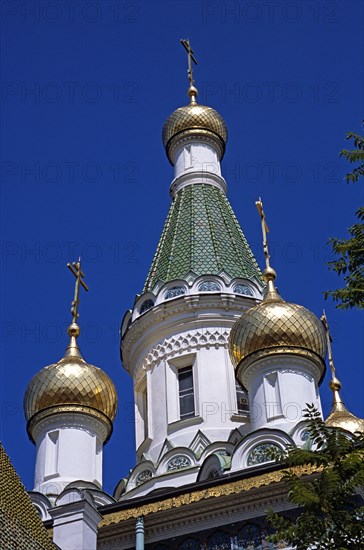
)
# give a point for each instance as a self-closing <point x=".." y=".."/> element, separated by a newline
<point x="172" y="387"/>
<point x="143" y="429"/>
<point x="186" y="392"/>
<point x="239" y="389"/>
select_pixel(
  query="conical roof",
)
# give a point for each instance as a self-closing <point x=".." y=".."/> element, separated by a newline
<point x="201" y="234"/>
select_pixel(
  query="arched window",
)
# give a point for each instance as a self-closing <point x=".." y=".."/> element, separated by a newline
<point x="144" y="476"/>
<point x="209" y="286"/>
<point x="264" y="452"/>
<point x="219" y="540"/>
<point x="189" y="544"/>
<point x="250" y="536"/>
<point x="243" y="289"/>
<point x="146" y="305"/>
<point x="174" y="292"/>
<point x="178" y="462"/>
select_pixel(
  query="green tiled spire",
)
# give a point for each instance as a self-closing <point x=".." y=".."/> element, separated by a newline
<point x="201" y="234"/>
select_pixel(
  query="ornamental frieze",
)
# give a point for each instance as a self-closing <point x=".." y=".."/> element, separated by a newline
<point x="178" y="345"/>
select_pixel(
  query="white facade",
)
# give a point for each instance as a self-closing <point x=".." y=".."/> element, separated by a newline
<point x="280" y="386"/>
<point x="75" y="521"/>
<point x="196" y="161"/>
<point x="69" y="448"/>
<point x="187" y="331"/>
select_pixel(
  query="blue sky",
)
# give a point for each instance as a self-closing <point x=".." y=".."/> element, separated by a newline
<point x="86" y="88"/>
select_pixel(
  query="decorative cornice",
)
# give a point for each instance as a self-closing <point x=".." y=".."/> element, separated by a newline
<point x="197" y="177"/>
<point x="73" y="415"/>
<point x="188" y="311"/>
<point x="252" y="362"/>
<point x="194" y="134"/>
<point x="196" y="496"/>
<point x="184" y="343"/>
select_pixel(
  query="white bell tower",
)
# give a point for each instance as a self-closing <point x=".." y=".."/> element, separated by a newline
<point x="175" y="339"/>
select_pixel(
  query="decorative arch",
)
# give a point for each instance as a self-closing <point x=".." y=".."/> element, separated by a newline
<point x="142" y="473"/>
<point x="174" y="292"/>
<point x="218" y="540"/>
<point x="178" y="458"/>
<point x="209" y="286"/>
<point x="262" y="453"/>
<point x="146" y="305"/>
<point x="257" y="448"/>
<point x="41" y="503"/>
<point x="190" y="544"/>
<point x="245" y="290"/>
<point x="214" y="466"/>
<point x="250" y="535"/>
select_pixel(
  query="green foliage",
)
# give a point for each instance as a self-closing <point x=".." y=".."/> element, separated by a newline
<point x="329" y="516"/>
<point x="356" y="155"/>
<point x="350" y="252"/>
<point x="350" y="263"/>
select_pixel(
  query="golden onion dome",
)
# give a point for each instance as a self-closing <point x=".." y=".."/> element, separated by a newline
<point x="275" y="326"/>
<point x="339" y="416"/>
<point x="71" y="385"/>
<point x="194" y="120"/>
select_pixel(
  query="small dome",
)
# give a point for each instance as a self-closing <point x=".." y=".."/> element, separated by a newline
<point x="194" y="119"/>
<point x="70" y="384"/>
<point x="345" y="420"/>
<point x="276" y="324"/>
<point x="339" y="416"/>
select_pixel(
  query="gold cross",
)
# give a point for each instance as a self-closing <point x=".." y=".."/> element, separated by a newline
<point x="186" y="44"/>
<point x="75" y="267"/>
<point x="328" y="340"/>
<point x="265" y="230"/>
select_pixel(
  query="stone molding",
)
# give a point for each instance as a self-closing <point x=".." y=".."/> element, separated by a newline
<point x="58" y="418"/>
<point x="193" y="135"/>
<point x="265" y="360"/>
<point x="190" y="285"/>
<point x="198" y="177"/>
<point x="178" y="345"/>
<point x="245" y="487"/>
<point x="156" y="326"/>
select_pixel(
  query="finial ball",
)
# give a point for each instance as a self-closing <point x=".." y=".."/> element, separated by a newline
<point x="73" y="330"/>
<point x="192" y="91"/>
<point x="335" y="384"/>
<point x="269" y="274"/>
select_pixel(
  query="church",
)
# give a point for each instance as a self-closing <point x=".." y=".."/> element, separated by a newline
<point x="222" y="368"/>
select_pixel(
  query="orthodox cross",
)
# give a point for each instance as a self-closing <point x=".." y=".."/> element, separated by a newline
<point x="186" y="44"/>
<point x="328" y="340"/>
<point x="265" y="230"/>
<point x="75" y="267"/>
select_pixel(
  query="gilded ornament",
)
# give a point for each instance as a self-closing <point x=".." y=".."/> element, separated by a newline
<point x="275" y="324"/>
<point x="71" y="384"/>
<point x="234" y="487"/>
<point x="339" y="416"/>
<point x="194" y="119"/>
